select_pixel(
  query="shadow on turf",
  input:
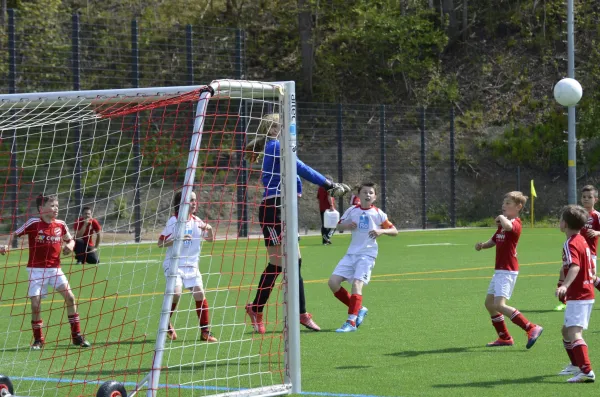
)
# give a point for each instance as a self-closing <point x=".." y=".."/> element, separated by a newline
<point x="354" y="367"/>
<point x="504" y="382"/>
<point x="452" y="350"/>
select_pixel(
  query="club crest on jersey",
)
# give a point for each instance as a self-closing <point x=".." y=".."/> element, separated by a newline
<point x="57" y="231"/>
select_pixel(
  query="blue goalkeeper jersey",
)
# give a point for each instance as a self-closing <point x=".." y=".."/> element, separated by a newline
<point x="271" y="171"/>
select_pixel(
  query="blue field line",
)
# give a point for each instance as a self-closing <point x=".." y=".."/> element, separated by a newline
<point x="163" y="386"/>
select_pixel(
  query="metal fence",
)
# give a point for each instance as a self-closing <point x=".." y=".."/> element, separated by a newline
<point x="78" y="55"/>
<point x="410" y="152"/>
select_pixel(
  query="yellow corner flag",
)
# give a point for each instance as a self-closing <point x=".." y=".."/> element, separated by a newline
<point x="533" y="195"/>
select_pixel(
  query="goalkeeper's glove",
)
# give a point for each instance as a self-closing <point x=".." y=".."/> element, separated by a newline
<point x="337" y="189"/>
<point x="254" y="150"/>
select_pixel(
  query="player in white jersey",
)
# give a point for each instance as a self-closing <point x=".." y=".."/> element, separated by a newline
<point x="366" y="222"/>
<point x="188" y="275"/>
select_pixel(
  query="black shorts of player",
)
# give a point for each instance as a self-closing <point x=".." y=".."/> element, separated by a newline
<point x="82" y="255"/>
<point x="269" y="216"/>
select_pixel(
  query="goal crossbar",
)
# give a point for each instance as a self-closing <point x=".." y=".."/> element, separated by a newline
<point x="223" y="88"/>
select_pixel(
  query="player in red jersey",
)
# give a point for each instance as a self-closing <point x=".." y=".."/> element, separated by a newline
<point x="505" y="276"/>
<point x="326" y="202"/>
<point x="590" y="231"/>
<point x="578" y="290"/>
<point x="86" y="251"/>
<point x="46" y="237"/>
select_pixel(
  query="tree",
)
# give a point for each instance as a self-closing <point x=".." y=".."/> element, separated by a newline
<point x="306" y="45"/>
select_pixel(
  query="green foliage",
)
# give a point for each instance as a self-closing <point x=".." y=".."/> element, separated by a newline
<point x="539" y="145"/>
<point x="373" y="44"/>
<point x="121" y="209"/>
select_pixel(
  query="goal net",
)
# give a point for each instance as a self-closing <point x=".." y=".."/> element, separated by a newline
<point x="124" y="155"/>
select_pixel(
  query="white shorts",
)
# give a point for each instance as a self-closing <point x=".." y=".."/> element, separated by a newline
<point x="355" y="267"/>
<point x="187" y="277"/>
<point x="503" y="283"/>
<point x="577" y="313"/>
<point x="42" y="278"/>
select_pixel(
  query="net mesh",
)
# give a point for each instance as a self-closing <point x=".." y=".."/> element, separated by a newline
<point x="125" y="159"/>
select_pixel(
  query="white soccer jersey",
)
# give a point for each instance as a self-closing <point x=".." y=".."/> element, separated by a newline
<point x="366" y="220"/>
<point x="190" y="251"/>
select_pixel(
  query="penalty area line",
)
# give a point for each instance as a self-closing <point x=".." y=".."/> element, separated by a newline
<point x="433" y="245"/>
<point x="188" y="387"/>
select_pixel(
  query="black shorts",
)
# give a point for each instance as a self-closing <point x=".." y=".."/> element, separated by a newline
<point x="269" y="216"/>
<point x="81" y="253"/>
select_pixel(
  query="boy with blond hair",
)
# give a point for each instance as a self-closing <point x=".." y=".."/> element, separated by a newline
<point x="578" y="290"/>
<point x="505" y="239"/>
<point x="367" y="223"/>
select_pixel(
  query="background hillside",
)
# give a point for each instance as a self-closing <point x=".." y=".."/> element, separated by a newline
<point x="493" y="62"/>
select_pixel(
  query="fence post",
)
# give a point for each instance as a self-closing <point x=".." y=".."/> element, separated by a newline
<point x="75" y="55"/>
<point x="452" y="171"/>
<point x="340" y="152"/>
<point x="135" y="82"/>
<point x="423" y="172"/>
<point x="189" y="52"/>
<point x="383" y="157"/>
<point x="240" y="139"/>
<point x="12" y="89"/>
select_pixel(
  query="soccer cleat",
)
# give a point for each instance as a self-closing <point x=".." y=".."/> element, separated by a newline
<point x="346" y="327"/>
<point x="308" y="322"/>
<point x="207" y="336"/>
<point x="362" y="313"/>
<point x="171" y="334"/>
<point x="256" y="319"/>
<point x="560" y="307"/>
<point x="570" y="370"/>
<point x="37" y="345"/>
<point x="80" y="341"/>
<point x="501" y="342"/>
<point x="583" y="378"/>
<point x="532" y="335"/>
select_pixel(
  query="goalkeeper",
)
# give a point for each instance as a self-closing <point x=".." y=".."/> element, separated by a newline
<point x="266" y="147"/>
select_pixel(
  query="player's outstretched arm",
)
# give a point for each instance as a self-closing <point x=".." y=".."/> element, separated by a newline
<point x="209" y="233"/>
<point x="562" y="290"/>
<point x="506" y="223"/>
<point x="488" y="244"/>
<point x="5" y="248"/>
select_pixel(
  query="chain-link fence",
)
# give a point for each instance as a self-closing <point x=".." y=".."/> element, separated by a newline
<point x="421" y="167"/>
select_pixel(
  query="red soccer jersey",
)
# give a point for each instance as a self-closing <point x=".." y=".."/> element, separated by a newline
<point x="322" y="196"/>
<point x="45" y="241"/>
<point x="92" y="226"/>
<point x="577" y="252"/>
<point x="354" y="200"/>
<point x="593" y="223"/>
<point x="506" y="247"/>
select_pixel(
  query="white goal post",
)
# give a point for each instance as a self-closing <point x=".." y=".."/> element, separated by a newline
<point x="124" y="147"/>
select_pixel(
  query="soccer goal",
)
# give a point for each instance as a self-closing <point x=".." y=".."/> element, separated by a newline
<point x="124" y="155"/>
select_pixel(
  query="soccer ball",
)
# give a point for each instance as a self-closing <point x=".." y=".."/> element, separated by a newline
<point x="568" y="92"/>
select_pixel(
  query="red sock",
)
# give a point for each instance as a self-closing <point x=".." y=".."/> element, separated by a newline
<point x="38" y="334"/>
<point x="580" y="351"/>
<point x="75" y="327"/>
<point x="173" y="307"/>
<point x="500" y="325"/>
<point x="202" y="312"/>
<point x="343" y="296"/>
<point x="354" y="307"/>
<point x="518" y="319"/>
<point x="569" y="348"/>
